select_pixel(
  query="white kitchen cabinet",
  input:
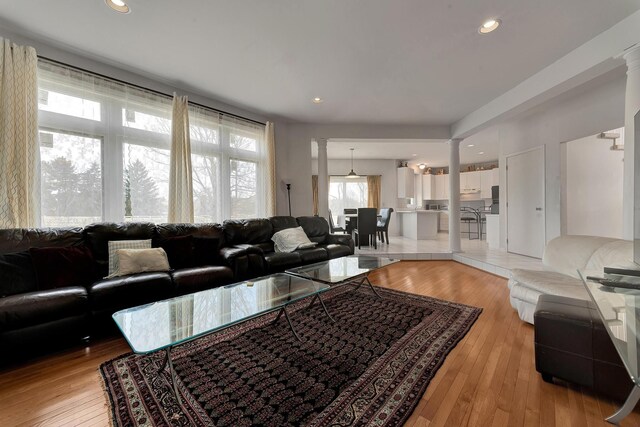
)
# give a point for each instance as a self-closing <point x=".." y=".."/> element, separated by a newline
<point x="470" y="182"/>
<point x="486" y="181"/>
<point x="443" y="221"/>
<point x="495" y="176"/>
<point x="417" y="188"/>
<point x="428" y="187"/>
<point x="442" y="187"/>
<point x="406" y="183"/>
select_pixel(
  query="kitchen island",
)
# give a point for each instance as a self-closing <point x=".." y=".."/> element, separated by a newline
<point x="418" y="224"/>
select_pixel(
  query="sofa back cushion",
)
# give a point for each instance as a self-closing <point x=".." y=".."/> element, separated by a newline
<point x="21" y="239"/>
<point x="280" y="223"/>
<point x="247" y="231"/>
<point x="567" y="254"/>
<point x="17" y="275"/>
<point x="62" y="267"/>
<point x="165" y="231"/>
<point x="618" y="253"/>
<point x="97" y="237"/>
<point x="315" y="227"/>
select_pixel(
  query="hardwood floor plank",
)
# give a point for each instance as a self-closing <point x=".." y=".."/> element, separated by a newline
<point x="488" y="379"/>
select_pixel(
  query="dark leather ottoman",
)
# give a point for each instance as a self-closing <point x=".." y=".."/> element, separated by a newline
<point x="571" y="344"/>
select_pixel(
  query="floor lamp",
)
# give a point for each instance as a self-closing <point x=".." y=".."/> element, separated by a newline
<point x="289" y="197"/>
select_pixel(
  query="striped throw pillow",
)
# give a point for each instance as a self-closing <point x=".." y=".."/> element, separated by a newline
<point x="114" y="245"/>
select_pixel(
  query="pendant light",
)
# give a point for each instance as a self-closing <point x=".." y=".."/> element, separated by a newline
<point x="352" y="174"/>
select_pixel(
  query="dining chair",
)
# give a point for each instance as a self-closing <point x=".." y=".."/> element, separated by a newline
<point x="382" y="227"/>
<point x="332" y="226"/>
<point x="367" y="222"/>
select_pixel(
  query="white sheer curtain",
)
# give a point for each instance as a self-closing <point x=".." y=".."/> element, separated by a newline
<point x="269" y="171"/>
<point x="19" y="147"/>
<point x="180" y="180"/>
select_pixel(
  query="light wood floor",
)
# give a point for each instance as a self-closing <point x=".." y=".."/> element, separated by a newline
<point x="488" y="379"/>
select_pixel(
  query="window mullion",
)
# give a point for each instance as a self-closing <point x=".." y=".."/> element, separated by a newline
<point x="113" y="158"/>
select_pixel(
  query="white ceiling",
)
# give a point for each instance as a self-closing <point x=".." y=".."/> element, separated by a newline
<point x="434" y="153"/>
<point x="373" y="61"/>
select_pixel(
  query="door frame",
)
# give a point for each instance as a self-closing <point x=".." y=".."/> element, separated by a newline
<point x="544" y="190"/>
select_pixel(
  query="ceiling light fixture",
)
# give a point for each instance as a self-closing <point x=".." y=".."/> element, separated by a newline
<point x="482" y="152"/>
<point x="352" y="174"/>
<point x="489" y="26"/>
<point x="471" y="145"/>
<point x="118" y="5"/>
<point x="422" y="166"/>
<point x="318" y="100"/>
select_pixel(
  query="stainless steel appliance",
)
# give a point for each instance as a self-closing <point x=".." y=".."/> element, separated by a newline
<point x="495" y="199"/>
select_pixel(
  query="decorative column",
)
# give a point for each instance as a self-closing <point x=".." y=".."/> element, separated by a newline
<point x="323" y="179"/>
<point x="454" y="195"/>
<point x="631" y="107"/>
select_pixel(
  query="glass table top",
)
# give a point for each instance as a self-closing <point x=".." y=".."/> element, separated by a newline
<point x="619" y="310"/>
<point x="341" y="269"/>
<point x="152" y="327"/>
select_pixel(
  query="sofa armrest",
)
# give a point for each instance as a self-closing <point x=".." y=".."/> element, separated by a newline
<point x="340" y="239"/>
<point x="245" y="261"/>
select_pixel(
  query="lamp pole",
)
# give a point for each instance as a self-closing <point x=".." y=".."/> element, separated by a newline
<point x="289" y="197"/>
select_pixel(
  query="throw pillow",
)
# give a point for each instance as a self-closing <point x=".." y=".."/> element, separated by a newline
<point x="179" y="250"/>
<point x="132" y="261"/>
<point x="114" y="245"/>
<point x="206" y="251"/>
<point x="290" y="239"/>
<point x="16" y="274"/>
<point x="60" y="267"/>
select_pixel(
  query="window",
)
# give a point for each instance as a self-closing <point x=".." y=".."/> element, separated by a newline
<point x="105" y="150"/>
<point x="346" y="193"/>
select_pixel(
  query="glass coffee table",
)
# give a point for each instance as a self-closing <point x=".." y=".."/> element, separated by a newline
<point x="352" y="269"/>
<point x="162" y="325"/>
<point x="619" y="309"/>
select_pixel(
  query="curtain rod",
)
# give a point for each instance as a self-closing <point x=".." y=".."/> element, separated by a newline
<point x="157" y="92"/>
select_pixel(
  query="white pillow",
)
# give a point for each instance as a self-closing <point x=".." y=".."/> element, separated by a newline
<point x="290" y="239"/>
<point x="114" y="245"/>
<point x="131" y="261"/>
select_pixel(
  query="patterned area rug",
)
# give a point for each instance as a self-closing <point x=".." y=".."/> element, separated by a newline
<point x="370" y="367"/>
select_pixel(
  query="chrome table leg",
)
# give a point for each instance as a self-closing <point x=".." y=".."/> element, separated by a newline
<point x="372" y="288"/>
<point x="324" y="307"/>
<point x="284" y="310"/>
<point x="168" y="362"/>
<point x="627" y="407"/>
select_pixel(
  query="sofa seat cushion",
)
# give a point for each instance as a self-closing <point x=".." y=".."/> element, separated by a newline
<point x="336" y="251"/>
<point x="279" y="261"/>
<point x="189" y="280"/>
<point x="33" y="308"/>
<point x="528" y="285"/>
<point x="128" y="291"/>
<point x="309" y="256"/>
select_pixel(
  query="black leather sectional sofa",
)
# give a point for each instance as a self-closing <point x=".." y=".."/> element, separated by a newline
<point x="35" y="317"/>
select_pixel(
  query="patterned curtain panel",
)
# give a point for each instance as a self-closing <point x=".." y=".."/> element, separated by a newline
<point x="19" y="147"/>
<point x="180" y="180"/>
<point x="314" y="192"/>
<point x="373" y="191"/>
<point x="270" y="169"/>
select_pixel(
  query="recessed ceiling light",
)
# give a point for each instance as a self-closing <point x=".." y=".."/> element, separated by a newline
<point x="489" y="26"/>
<point x="318" y="100"/>
<point x="414" y="155"/>
<point x="422" y="166"/>
<point x="118" y="5"/>
<point x="482" y="152"/>
<point x="471" y="145"/>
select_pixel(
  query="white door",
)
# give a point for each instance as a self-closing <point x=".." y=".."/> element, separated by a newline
<point x="525" y="203"/>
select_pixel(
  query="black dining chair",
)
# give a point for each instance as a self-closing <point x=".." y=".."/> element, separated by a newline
<point x="332" y="226"/>
<point x="350" y="211"/>
<point x="382" y="227"/>
<point x="367" y="222"/>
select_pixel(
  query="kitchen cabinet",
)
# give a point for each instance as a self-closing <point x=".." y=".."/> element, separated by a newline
<point x="442" y="187"/>
<point x="486" y="181"/>
<point x="495" y="176"/>
<point x="417" y="189"/>
<point x="406" y="183"/>
<point x="443" y="221"/>
<point x="470" y="183"/>
<point x="428" y="187"/>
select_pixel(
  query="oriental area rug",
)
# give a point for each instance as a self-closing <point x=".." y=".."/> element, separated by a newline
<point x="369" y="367"/>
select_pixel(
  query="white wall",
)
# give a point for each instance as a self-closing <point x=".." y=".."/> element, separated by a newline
<point x="385" y="168"/>
<point x="588" y="110"/>
<point x="592" y="187"/>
